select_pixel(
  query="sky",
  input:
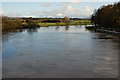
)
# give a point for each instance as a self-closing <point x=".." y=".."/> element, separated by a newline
<point x="50" y="9"/>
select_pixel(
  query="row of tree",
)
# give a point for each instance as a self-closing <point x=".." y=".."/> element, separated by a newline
<point x="10" y="24"/>
<point x="107" y="16"/>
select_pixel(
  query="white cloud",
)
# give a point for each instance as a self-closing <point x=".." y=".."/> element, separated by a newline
<point x="29" y="16"/>
<point x="63" y="3"/>
<point x="46" y="5"/>
<point x="70" y="8"/>
<point x="87" y="8"/>
<point x="70" y="11"/>
<point x="74" y="1"/>
<point x="65" y="9"/>
<point x="59" y="14"/>
<point x="2" y="13"/>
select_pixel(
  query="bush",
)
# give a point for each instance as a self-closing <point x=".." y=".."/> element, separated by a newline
<point x="9" y="25"/>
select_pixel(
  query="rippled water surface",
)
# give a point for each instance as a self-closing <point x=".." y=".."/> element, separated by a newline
<point x="59" y="52"/>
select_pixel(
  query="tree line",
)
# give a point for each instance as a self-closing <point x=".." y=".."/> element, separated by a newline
<point x="12" y="24"/>
<point x="107" y="17"/>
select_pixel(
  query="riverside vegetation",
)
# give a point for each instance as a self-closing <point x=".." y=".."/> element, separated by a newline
<point x="107" y="18"/>
<point x="10" y="24"/>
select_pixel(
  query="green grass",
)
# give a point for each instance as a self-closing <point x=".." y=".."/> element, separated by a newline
<point x="51" y="24"/>
<point x="75" y="22"/>
<point x="14" y="25"/>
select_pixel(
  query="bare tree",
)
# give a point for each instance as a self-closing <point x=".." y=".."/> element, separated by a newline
<point x="66" y="20"/>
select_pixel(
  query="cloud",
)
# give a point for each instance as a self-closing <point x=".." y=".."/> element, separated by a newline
<point x="2" y="13"/>
<point x="29" y="16"/>
<point x="46" y="5"/>
<point x="88" y="9"/>
<point x="59" y="14"/>
<point x="64" y="9"/>
<point x="71" y="11"/>
<point x="64" y="4"/>
<point x="70" y="8"/>
<point x="74" y="1"/>
<point x="67" y="10"/>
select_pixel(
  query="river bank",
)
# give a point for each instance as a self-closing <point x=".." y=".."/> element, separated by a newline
<point x="14" y="25"/>
<point x="102" y="30"/>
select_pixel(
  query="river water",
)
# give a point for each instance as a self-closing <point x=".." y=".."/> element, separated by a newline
<point x="59" y="52"/>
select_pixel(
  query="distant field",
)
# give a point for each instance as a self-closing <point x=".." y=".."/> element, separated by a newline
<point x="75" y="22"/>
<point x="13" y="25"/>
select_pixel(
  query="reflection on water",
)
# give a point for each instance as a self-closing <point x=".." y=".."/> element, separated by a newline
<point x="66" y="28"/>
<point x="61" y="52"/>
<point x="32" y="30"/>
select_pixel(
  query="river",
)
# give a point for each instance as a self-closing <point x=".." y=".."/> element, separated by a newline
<point x="59" y="52"/>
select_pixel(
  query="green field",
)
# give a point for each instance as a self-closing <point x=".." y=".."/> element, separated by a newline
<point x="75" y="22"/>
<point x="13" y="25"/>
